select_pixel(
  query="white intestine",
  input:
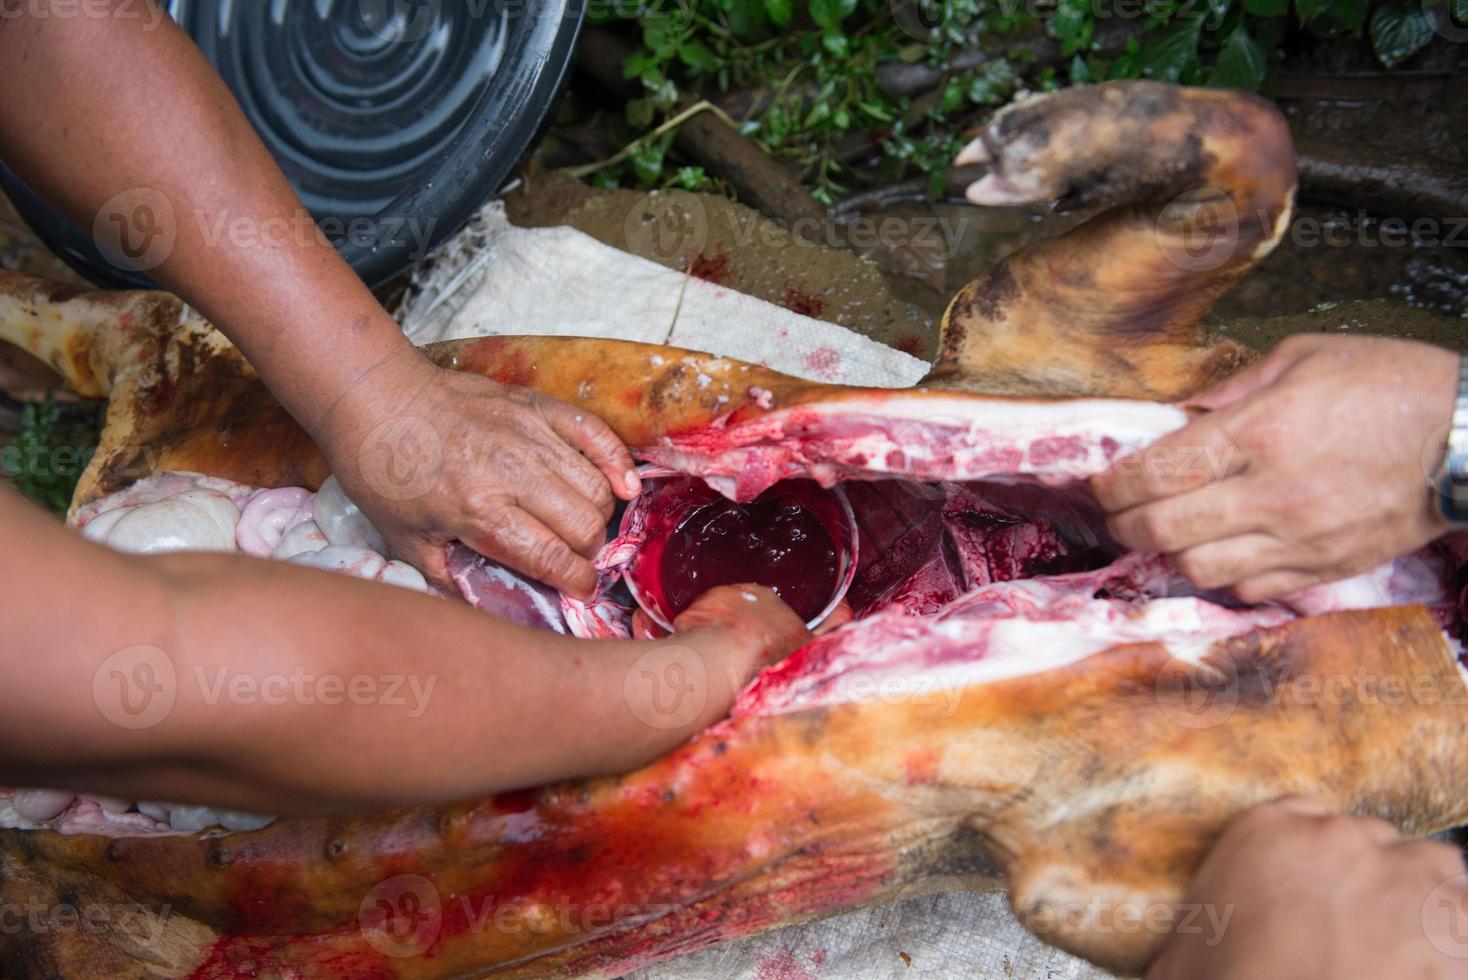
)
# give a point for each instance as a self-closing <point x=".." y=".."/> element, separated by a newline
<point x="187" y="512"/>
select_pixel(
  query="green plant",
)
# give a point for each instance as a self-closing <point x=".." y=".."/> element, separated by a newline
<point x="817" y="62"/>
<point x="55" y="443"/>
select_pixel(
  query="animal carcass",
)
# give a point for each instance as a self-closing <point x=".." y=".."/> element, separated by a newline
<point x="1018" y="696"/>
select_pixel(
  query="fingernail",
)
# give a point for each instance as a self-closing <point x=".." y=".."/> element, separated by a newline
<point x="633" y="482"/>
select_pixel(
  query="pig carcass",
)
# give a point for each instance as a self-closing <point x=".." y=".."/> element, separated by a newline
<point x="1017" y="696"/>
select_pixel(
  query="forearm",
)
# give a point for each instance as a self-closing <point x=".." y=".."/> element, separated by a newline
<point x="283" y="689"/>
<point x="116" y="104"/>
<point x="450" y="703"/>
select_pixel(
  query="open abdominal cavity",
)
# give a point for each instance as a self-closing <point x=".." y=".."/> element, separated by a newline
<point x="979" y="555"/>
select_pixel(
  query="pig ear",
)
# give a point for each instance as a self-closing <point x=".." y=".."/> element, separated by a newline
<point x="1184" y="191"/>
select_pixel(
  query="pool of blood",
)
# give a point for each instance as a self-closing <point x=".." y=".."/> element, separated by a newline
<point x="776" y="541"/>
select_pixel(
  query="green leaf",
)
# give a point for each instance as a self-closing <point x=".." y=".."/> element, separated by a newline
<point x="937" y="182"/>
<point x="952" y="96"/>
<point x="744" y="18"/>
<point x="1080" y="72"/>
<point x="780" y="11"/>
<point x="1071" y="25"/>
<point x="657" y="39"/>
<point x="696" y="54"/>
<point x="995" y="83"/>
<point x="652" y="75"/>
<point x="830" y="13"/>
<point x="639" y="113"/>
<point x="1242" y="63"/>
<point x="1401" y="28"/>
<point x="691" y="178"/>
<point x="666" y="95"/>
<point x="875" y="110"/>
<point x="647" y="161"/>
<point x="634" y="64"/>
<point x="1128" y="64"/>
<point x="1267" y="8"/>
<point x="1168" y="53"/>
<point x="1331" y="17"/>
<point x="1308" y="10"/>
<point x="819" y="111"/>
<point x="836" y="43"/>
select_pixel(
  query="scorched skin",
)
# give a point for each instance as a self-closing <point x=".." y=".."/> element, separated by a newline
<point x="1080" y="733"/>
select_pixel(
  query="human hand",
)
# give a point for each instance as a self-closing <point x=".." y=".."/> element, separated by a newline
<point x="432" y="456"/>
<point x="750" y="626"/>
<point x="1311" y="466"/>
<point x="1306" y="893"/>
<point x="643" y="628"/>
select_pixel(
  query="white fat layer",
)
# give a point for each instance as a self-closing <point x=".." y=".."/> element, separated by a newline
<point x="905" y="658"/>
<point x="1123" y="420"/>
<point x="960" y="439"/>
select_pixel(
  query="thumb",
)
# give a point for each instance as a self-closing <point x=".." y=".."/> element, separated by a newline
<point x="1252" y="379"/>
<point x="430" y="558"/>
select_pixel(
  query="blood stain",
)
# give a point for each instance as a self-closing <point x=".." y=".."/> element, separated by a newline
<point x="710" y="268"/>
<point x="800" y="302"/>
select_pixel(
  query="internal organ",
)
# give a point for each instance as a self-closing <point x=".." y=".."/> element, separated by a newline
<point x="923" y="545"/>
<point x="702" y="540"/>
<point x="189" y="512"/>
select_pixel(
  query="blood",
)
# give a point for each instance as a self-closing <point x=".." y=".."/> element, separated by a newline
<point x="778" y="540"/>
<point x="803" y="303"/>
<point x="823" y="361"/>
<point x="710" y="268"/>
<point x="911" y="344"/>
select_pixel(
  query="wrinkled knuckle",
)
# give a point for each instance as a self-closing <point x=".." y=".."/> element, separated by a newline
<point x="1158" y="474"/>
<point x="1202" y="571"/>
<point x="588" y="528"/>
<point x="1159" y="528"/>
<point x="602" y="498"/>
<point x="1253" y="591"/>
<point x="1262" y="433"/>
<point x="552" y="557"/>
<point x="1295" y="498"/>
<point x="1336" y="551"/>
<point x="505" y="460"/>
<point x="492" y="516"/>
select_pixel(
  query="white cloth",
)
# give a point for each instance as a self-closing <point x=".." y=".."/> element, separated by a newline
<point x="959" y="935"/>
<point x="561" y="282"/>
